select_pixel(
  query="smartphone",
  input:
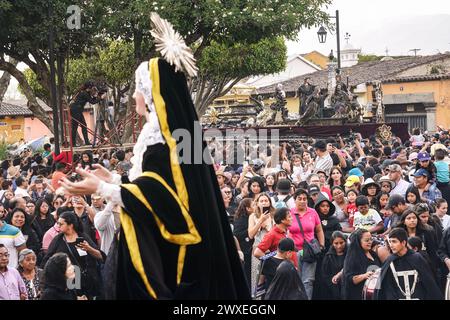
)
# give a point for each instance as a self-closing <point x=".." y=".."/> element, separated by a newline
<point x="266" y="210"/>
<point x="79" y="240"/>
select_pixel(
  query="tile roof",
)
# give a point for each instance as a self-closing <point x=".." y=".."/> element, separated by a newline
<point x="7" y="109"/>
<point x="417" y="78"/>
<point x="19" y="108"/>
<point x="360" y="73"/>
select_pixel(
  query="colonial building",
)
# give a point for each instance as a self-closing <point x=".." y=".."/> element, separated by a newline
<point x="421" y="101"/>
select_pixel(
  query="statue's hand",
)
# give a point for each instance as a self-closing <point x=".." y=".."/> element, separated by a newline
<point x="89" y="185"/>
<point x="102" y="173"/>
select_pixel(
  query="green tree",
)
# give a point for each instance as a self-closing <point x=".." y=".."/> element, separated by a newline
<point x="248" y="32"/>
<point x="231" y="39"/>
<point x="368" y="57"/>
<point x="24" y="37"/>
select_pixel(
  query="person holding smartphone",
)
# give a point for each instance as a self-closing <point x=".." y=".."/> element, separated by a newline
<point x="81" y="250"/>
<point x="260" y="222"/>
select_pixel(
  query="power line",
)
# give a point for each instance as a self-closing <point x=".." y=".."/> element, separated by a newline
<point x="415" y="51"/>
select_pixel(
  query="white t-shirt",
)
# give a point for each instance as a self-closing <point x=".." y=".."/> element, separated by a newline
<point x="370" y="220"/>
<point x="401" y="188"/>
<point x="445" y="221"/>
<point x="20" y="192"/>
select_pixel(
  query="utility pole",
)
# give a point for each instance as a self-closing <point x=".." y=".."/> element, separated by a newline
<point x="338" y="41"/>
<point x="415" y="51"/>
<point x="51" y="47"/>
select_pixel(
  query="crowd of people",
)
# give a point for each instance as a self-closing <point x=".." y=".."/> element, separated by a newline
<point x="45" y="232"/>
<point x="349" y="207"/>
<point x="318" y="224"/>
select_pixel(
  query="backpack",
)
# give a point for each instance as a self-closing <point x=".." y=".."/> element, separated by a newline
<point x="281" y="203"/>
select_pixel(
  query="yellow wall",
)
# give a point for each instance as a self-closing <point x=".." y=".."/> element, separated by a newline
<point x="317" y="58"/>
<point x="6" y="131"/>
<point x="292" y="104"/>
<point x="440" y="88"/>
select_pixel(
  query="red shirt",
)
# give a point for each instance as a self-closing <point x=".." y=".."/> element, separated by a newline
<point x="271" y="240"/>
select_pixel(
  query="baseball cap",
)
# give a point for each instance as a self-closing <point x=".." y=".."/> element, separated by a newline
<point x="351" y="180"/>
<point x="423" y="156"/>
<point x="286" y="244"/>
<point x="395" y="200"/>
<point x="421" y="172"/>
<point x="355" y="172"/>
<point x="313" y="189"/>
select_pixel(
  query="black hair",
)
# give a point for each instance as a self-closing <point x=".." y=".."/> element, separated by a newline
<point x="299" y="192"/>
<point x="20" y="180"/>
<point x="414" y="190"/>
<point x="439" y="201"/>
<point x="47" y="146"/>
<point x="72" y="219"/>
<point x="399" y="234"/>
<point x="361" y="201"/>
<point x="55" y="271"/>
<point x="37" y="210"/>
<point x="416" y="131"/>
<point x="6" y="184"/>
<point x="120" y="155"/>
<point x="421" y="228"/>
<point x="337" y="234"/>
<point x="3" y="246"/>
<point x="60" y="211"/>
<point x="60" y="166"/>
<point x="440" y="154"/>
<point x="376" y="153"/>
<point x="330" y="180"/>
<point x="416" y="242"/>
<point x="280" y="215"/>
<point x="26" y="228"/>
<point x="378" y="205"/>
<point x="261" y="183"/>
<point x="242" y="208"/>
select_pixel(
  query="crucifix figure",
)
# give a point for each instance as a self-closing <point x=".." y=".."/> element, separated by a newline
<point x="408" y="292"/>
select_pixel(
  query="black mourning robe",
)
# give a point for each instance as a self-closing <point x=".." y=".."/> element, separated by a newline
<point x="426" y="287"/>
<point x="177" y="242"/>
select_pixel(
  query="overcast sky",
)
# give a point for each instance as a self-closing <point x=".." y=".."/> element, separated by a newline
<point x="374" y="25"/>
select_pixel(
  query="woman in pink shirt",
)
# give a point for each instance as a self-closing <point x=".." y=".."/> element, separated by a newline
<point x="312" y="228"/>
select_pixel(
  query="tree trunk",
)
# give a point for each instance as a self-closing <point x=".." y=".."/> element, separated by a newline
<point x="5" y="79"/>
<point x="204" y="92"/>
<point x="32" y="104"/>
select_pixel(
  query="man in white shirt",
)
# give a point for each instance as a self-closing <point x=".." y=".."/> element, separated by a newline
<point x="324" y="162"/>
<point x="395" y="174"/>
<point x="104" y="223"/>
<point x="22" y="187"/>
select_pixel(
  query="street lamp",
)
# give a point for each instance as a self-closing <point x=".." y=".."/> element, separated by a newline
<point x="322" y="34"/>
